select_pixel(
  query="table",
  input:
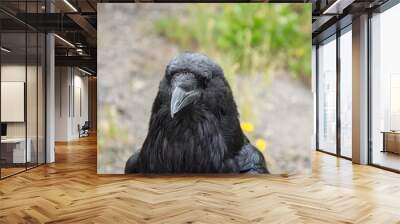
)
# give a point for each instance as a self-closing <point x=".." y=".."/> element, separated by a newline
<point x="15" y="148"/>
<point x="391" y="141"/>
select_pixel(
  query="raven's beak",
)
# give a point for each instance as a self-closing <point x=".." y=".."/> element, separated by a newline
<point x="181" y="98"/>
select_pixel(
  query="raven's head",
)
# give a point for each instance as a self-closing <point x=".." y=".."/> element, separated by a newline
<point x="193" y="78"/>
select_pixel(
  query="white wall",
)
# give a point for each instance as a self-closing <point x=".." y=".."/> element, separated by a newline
<point x="62" y="82"/>
<point x="71" y="93"/>
<point x="80" y="115"/>
<point x="33" y="126"/>
<point x="12" y="73"/>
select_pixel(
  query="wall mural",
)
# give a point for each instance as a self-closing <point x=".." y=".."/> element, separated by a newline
<point x="204" y="88"/>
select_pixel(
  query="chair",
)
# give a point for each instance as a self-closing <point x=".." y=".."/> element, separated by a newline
<point x="84" y="130"/>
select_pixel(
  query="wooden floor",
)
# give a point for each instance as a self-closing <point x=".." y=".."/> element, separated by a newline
<point x="70" y="191"/>
<point x="10" y="171"/>
<point x="387" y="159"/>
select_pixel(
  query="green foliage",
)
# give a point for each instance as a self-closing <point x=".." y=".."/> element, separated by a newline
<point x="257" y="37"/>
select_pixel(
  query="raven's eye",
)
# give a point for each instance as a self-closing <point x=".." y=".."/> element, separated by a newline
<point x="202" y="81"/>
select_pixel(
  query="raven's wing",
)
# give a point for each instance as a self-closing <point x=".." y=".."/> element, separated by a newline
<point x="251" y="160"/>
<point x="131" y="164"/>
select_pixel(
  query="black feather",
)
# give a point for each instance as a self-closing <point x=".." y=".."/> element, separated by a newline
<point x="204" y="137"/>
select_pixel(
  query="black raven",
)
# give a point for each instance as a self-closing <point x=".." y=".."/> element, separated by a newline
<point x="194" y="125"/>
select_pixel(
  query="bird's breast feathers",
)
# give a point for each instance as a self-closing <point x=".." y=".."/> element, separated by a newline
<point x="186" y="144"/>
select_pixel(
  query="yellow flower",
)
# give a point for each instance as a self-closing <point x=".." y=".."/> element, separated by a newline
<point x="261" y="144"/>
<point x="299" y="52"/>
<point x="247" y="127"/>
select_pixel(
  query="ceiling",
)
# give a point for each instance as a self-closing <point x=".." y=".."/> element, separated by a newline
<point x="332" y="15"/>
<point x="74" y="22"/>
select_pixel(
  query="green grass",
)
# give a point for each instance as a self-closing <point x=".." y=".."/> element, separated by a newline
<point x="246" y="38"/>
